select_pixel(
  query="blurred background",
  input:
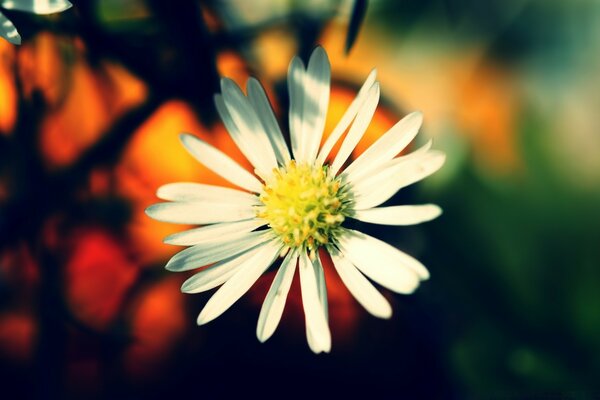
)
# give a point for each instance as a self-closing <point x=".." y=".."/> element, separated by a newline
<point x="91" y="105"/>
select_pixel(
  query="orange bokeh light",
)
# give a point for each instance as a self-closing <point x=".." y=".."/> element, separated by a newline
<point x="157" y="324"/>
<point x="155" y="157"/>
<point x="8" y="92"/>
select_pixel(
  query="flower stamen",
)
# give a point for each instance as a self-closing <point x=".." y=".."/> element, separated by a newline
<point x="304" y="205"/>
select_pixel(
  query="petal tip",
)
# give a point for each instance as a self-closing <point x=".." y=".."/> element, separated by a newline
<point x="201" y="320"/>
<point x="261" y="337"/>
<point x="185" y="137"/>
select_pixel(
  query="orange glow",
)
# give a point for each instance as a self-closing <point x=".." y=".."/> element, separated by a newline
<point x="95" y="100"/>
<point x="458" y="90"/>
<point x="488" y="116"/>
<point x="41" y="67"/>
<point x="8" y="94"/>
<point x="158" y="322"/>
<point x="232" y="65"/>
<point x="78" y="123"/>
<point x="155" y="157"/>
<point x="17" y="335"/>
<point x="98" y="276"/>
<point x="275" y="49"/>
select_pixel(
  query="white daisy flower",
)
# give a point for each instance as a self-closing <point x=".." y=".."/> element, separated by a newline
<point x="296" y="204"/>
<point x="41" y="7"/>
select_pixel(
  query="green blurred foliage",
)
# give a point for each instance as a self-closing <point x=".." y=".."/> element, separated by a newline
<point x="518" y="254"/>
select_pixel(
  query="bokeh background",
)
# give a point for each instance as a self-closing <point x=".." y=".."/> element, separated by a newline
<point x="91" y="106"/>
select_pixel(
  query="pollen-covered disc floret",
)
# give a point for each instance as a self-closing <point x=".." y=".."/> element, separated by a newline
<point x="304" y="205"/>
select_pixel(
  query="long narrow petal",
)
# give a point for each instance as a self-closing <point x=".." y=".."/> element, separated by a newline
<point x="240" y="282"/>
<point x="272" y="308"/>
<point x="399" y="215"/>
<point x="376" y="189"/>
<point x="347" y="118"/>
<point x="223" y="231"/>
<point x="295" y="75"/>
<point x="189" y="191"/>
<point x="321" y="284"/>
<point x="260" y="102"/>
<point x="41" y="7"/>
<point x="387" y="146"/>
<point x="360" y="287"/>
<point x="8" y="30"/>
<point x="220" y="163"/>
<point x="388" y="253"/>
<point x="207" y="253"/>
<point x="313" y="309"/>
<point x="249" y="136"/>
<point x="359" y="176"/>
<point x="217" y="273"/>
<point x="316" y="101"/>
<point x="200" y="213"/>
<point x="314" y="344"/>
<point x="391" y="268"/>
<point x="362" y="121"/>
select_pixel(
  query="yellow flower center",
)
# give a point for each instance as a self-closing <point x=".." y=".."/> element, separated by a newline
<point x="304" y="205"/>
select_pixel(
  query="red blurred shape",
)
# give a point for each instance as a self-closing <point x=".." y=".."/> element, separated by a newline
<point x="17" y="333"/>
<point x="98" y="276"/>
<point x="19" y="269"/>
<point x="158" y="322"/>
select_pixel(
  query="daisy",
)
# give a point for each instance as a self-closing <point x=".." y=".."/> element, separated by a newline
<point x="295" y="204"/>
<point x="41" y="7"/>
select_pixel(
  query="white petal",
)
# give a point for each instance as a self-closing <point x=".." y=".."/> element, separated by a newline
<point x="249" y="136"/>
<point x="316" y="101"/>
<point x="207" y="253"/>
<point x="313" y="344"/>
<point x="240" y="282"/>
<point x="220" y="163"/>
<point x="37" y="6"/>
<point x="223" y="231"/>
<point x="216" y="274"/>
<point x="260" y="102"/>
<point x="389" y="253"/>
<point x="359" y="176"/>
<point x="347" y="118"/>
<point x="360" y="287"/>
<point x="272" y="308"/>
<point x="313" y="309"/>
<point x="320" y="276"/>
<point x="382" y="263"/>
<point x="200" y="213"/>
<point x="8" y="30"/>
<point x="387" y="146"/>
<point x="374" y="190"/>
<point x="399" y="215"/>
<point x="296" y="74"/>
<point x="188" y="191"/>
<point x="362" y="121"/>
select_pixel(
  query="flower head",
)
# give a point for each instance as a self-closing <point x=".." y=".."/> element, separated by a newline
<point x="296" y="203"/>
<point x="41" y="7"/>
